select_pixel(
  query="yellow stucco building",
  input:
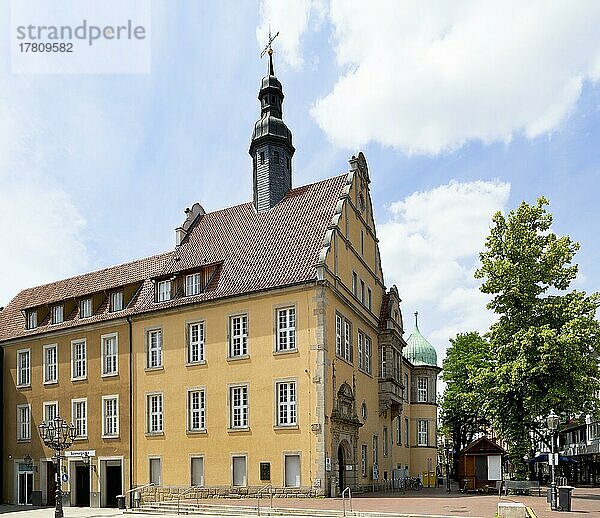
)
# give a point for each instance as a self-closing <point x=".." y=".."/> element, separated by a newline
<point x="263" y="349"/>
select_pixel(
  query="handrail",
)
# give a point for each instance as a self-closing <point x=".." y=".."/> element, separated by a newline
<point x="135" y="489"/>
<point x="270" y="488"/>
<point x="138" y="488"/>
<point x="188" y="490"/>
<point x="344" y="498"/>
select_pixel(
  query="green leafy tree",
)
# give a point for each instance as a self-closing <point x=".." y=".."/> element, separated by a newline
<point x="544" y="345"/>
<point x="461" y="406"/>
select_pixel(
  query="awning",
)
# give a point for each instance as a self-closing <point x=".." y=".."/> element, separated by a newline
<point x="543" y="457"/>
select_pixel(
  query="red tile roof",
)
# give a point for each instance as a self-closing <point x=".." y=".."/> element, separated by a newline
<point x="256" y="251"/>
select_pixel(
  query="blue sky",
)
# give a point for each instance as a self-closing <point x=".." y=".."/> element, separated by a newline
<point x="460" y="110"/>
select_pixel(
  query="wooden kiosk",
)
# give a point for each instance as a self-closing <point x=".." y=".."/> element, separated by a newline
<point x="480" y="465"/>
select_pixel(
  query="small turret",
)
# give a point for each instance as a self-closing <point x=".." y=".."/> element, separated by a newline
<point x="271" y="147"/>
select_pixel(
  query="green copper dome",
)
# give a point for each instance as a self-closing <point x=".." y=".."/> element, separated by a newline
<point x="418" y="350"/>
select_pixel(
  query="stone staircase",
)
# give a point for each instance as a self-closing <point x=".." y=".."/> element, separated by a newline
<point x="239" y="511"/>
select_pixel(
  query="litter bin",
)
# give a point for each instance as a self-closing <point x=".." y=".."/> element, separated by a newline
<point x="121" y="501"/>
<point x="564" y="497"/>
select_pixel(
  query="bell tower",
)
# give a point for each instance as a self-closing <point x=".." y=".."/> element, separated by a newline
<point x="271" y="146"/>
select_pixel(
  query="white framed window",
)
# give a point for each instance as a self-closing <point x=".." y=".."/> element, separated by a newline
<point x="384" y="440"/>
<point x="363" y="460"/>
<point x="347" y="341"/>
<point x="154" y="341"/>
<point x="286" y="403"/>
<point x="197" y="471"/>
<point x="238" y="329"/>
<point x="24" y="368"/>
<point x="79" y="417"/>
<point x="422" y="432"/>
<point x="398" y="431"/>
<point x="362" y="292"/>
<point x="50" y="410"/>
<point x="31" y="319"/>
<point x="85" y="307"/>
<point x="421" y="390"/>
<point x="155" y="471"/>
<point x="339" y="322"/>
<point x="23" y="422"/>
<point x="195" y="336"/>
<point x="58" y="314"/>
<point x="406" y="387"/>
<point x="368" y="354"/>
<point x="375" y="449"/>
<point x="343" y="338"/>
<point x="406" y="431"/>
<point x="286" y="329"/>
<point x="154" y="411"/>
<point x="192" y="284"/>
<point x="110" y="416"/>
<point x="78" y="359"/>
<point x="163" y="289"/>
<point x="383" y="363"/>
<point x="354" y="284"/>
<point x="116" y="300"/>
<point x="362" y="240"/>
<point x="110" y="354"/>
<point x="364" y="352"/>
<point x="196" y="410"/>
<point x="369" y="299"/>
<point x="238" y="402"/>
<point x="50" y="353"/>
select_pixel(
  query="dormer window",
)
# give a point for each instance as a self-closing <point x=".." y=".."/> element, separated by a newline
<point x="31" y="319"/>
<point x="116" y="301"/>
<point x="57" y="314"/>
<point x="85" y="308"/>
<point x="192" y="284"/>
<point x="163" y="291"/>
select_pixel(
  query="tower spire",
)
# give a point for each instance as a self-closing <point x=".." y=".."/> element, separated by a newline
<point x="417" y="319"/>
<point x="271" y="146"/>
<point x="269" y="50"/>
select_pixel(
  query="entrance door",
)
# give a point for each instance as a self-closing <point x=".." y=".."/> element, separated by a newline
<point x="113" y="485"/>
<point x="292" y="471"/>
<point x="341" y="468"/>
<point x="239" y="471"/>
<point x="82" y="486"/>
<point x="50" y="484"/>
<point x="25" y="487"/>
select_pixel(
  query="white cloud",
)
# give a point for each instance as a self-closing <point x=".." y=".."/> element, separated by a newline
<point x="429" y="248"/>
<point x="426" y="77"/>
<point x="291" y="19"/>
<point x="42" y="232"/>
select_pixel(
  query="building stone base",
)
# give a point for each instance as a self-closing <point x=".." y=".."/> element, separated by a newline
<point x="172" y="493"/>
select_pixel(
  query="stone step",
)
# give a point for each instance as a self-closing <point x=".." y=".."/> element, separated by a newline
<point x="170" y="508"/>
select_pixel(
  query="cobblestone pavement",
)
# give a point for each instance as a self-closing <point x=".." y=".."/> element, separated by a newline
<point x="432" y="502"/>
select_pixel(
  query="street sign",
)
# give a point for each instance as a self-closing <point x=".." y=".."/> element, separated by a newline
<point x="64" y="477"/>
<point x="553" y="459"/>
<point x="80" y="453"/>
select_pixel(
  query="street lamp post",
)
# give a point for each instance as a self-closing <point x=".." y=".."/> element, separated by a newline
<point x="447" y="455"/>
<point x="58" y="435"/>
<point x="552" y="423"/>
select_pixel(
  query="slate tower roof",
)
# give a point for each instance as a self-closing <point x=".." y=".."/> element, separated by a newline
<point x="271" y="145"/>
